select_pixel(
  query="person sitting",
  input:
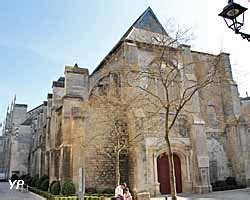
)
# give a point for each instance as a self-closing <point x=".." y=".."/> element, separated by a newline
<point x="119" y="191"/>
<point x="127" y="195"/>
<point x="25" y="187"/>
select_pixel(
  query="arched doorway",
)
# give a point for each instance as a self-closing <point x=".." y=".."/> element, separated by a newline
<point x="163" y="173"/>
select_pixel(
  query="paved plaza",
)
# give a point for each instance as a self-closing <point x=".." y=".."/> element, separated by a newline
<point x="241" y="194"/>
<point x="7" y="194"/>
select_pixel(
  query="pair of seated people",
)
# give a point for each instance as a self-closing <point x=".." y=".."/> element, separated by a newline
<point x="122" y="192"/>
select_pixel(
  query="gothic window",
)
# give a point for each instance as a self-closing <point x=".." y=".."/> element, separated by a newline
<point x="183" y="127"/>
<point x="40" y="140"/>
<point x="213" y="170"/>
<point x="57" y="160"/>
<point x="211" y="116"/>
<point x="66" y="161"/>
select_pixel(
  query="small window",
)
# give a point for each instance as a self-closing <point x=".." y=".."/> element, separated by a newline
<point x="102" y="89"/>
<point x="40" y="139"/>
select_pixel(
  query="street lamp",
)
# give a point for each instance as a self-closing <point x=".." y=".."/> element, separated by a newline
<point x="231" y="14"/>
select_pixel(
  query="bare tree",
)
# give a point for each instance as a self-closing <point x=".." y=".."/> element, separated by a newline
<point x="165" y="84"/>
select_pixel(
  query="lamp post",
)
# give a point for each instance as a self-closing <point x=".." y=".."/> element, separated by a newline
<point x="233" y="15"/>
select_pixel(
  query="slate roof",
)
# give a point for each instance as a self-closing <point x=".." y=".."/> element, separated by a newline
<point x="21" y="105"/>
<point x="245" y="98"/>
<point x="27" y="122"/>
<point x="147" y="21"/>
<point x="35" y="108"/>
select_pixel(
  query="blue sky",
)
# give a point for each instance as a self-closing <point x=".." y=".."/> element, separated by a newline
<point x="38" y="38"/>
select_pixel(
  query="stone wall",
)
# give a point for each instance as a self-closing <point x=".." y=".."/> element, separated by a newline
<point x="18" y="114"/>
<point x="24" y="148"/>
<point x="77" y="127"/>
<point x="1" y="154"/>
<point x="245" y="119"/>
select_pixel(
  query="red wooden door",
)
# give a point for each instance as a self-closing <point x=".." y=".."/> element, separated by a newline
<point x="163" y="173"/>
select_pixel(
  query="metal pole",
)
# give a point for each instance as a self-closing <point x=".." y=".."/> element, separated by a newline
<point x="81" y="183"/>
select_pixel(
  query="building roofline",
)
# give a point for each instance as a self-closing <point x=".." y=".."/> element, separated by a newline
<point x="209" y="54"/>
<point x="36" y="107"/>
<point x="107" y="57"/>
<point x="245" y="98"/>
<point x="27" y="121"/>
<point x="123" y="38"/>
<point x="21" y="105"/>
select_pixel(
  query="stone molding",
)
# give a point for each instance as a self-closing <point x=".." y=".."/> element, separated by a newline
<point x="76" y="70"/>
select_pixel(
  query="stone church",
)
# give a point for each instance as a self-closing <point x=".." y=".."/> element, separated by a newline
<point x="210" y="142"/>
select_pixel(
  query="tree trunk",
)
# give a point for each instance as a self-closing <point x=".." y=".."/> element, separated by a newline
<point x="117" y="168"/>
<point x="171" y="169"/>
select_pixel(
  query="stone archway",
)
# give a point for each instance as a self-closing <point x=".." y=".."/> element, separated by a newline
<point x="163" y="173"/>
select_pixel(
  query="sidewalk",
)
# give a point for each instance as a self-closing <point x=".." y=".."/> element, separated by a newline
<point x="240" y="194"/>
<point x="12" y="194"/>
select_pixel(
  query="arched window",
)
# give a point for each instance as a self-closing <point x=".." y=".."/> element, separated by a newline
<point x="211" y="116"/>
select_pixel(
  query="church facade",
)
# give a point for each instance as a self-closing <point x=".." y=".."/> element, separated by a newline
<point x="209" y="142"/>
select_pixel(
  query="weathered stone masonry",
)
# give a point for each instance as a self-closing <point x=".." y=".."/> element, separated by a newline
<point x="209" y="142"/>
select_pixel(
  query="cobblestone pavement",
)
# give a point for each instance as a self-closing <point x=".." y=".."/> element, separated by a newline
<point x="241" y="194"/>
<point x="7" y="194"/>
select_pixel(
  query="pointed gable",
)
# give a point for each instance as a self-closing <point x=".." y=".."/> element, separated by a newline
<point x="149" y="22"/>
<point x="146" y="27"/>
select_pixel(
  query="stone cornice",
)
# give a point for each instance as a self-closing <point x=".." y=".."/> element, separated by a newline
<point x="68" y="96"/>
<point x="76" y="70"/>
